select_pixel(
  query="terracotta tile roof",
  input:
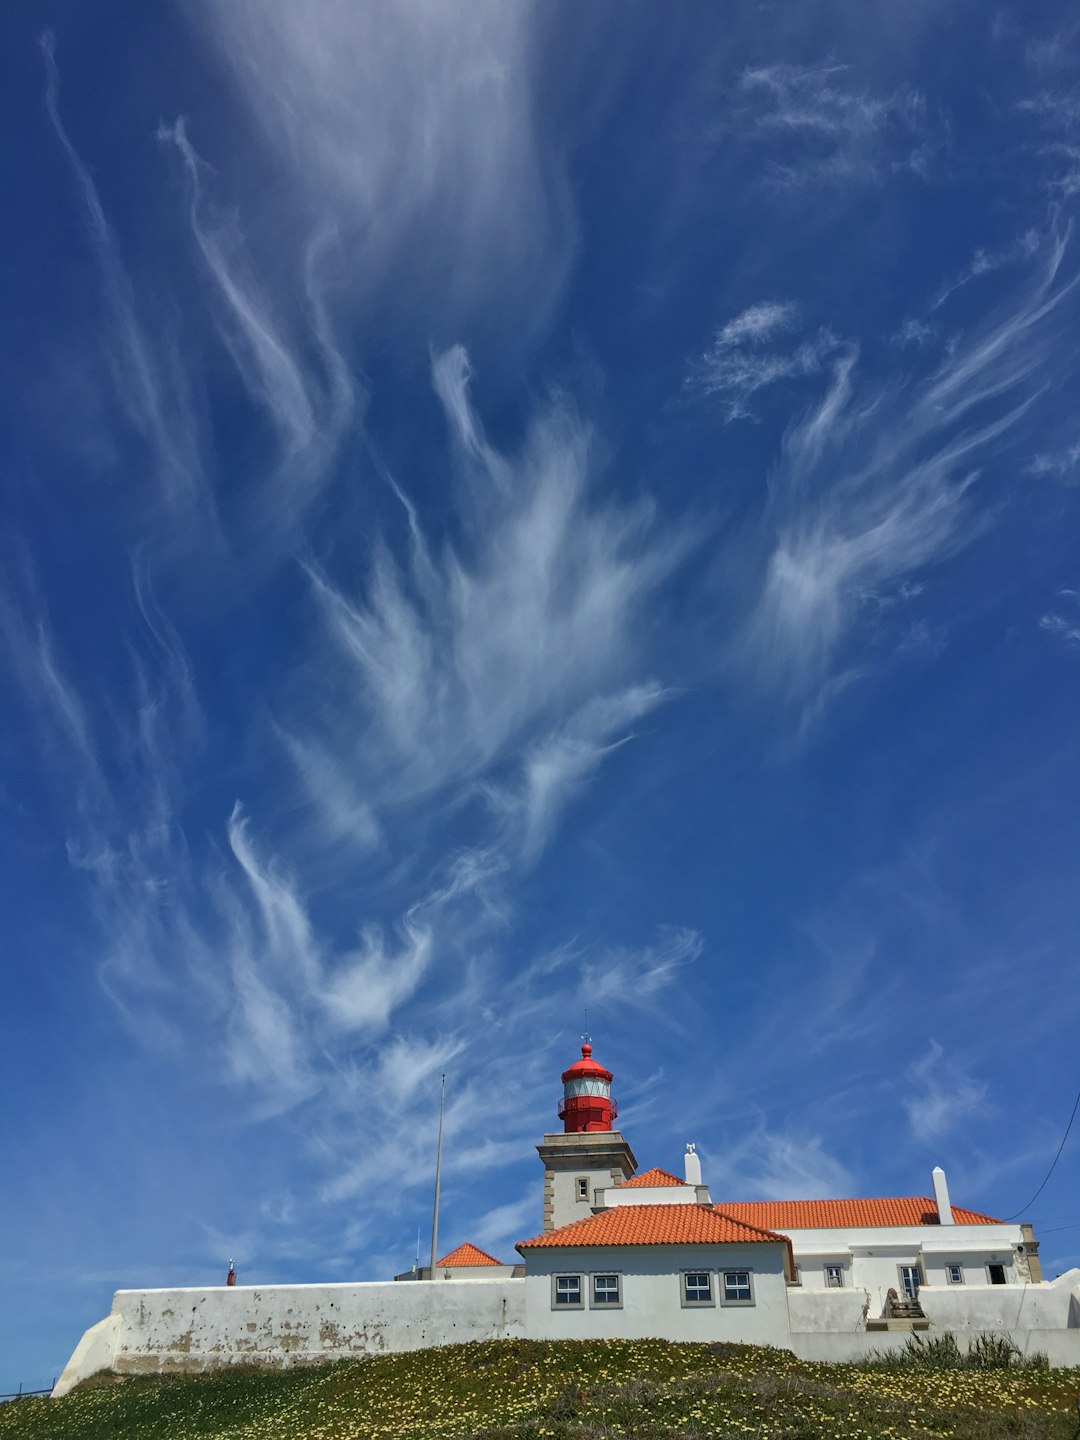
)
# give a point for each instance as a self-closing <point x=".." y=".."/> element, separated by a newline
<point x="838" y="1214"/>
<point x="466" y="1255"/>
<point x="655" y="1176"/>
<point x="655" y="1225"/>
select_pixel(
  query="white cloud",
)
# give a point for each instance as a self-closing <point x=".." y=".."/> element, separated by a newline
<point x="149" y="377"/>
<point x="944" y="1095"/>
<point x="1065" y="627"/>
<point x="757" y="323"/>
<point x="556" y="767"/>
<point x="310" y="406"/>
<point x="410" y="126"/>
<point x="498" y="1230"/>
<point x="736" y="367"/>
<point x="1058" y="463"/>
<point x="776" y="1165"/>
<point x="841" y="133"/>
<point x="872" y="488"/>
<point x="634" y="978"/>
<point x="987" y="262"/>
<point x="519" y="649"/>
<point x="914" y="332"/>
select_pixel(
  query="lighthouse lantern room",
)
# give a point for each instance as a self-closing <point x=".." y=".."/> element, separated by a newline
<point x="587" y="1104"/>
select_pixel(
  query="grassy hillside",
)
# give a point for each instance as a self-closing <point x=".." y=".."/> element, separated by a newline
<point x="524" y="1390"/>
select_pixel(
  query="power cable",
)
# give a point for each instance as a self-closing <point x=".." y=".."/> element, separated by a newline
<point x="1057" y="1157"/>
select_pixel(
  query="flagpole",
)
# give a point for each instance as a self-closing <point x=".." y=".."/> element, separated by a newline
<point x="438" y="1173"/>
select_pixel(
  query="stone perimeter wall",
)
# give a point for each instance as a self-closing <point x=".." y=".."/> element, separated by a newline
<point x="154" y="1331"/>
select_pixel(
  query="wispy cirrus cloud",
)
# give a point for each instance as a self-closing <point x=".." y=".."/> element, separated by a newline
<point x="1056" y="114"/>
<point x="986" y="261"/>
<point x="503" y="671"/>
<point x="743" y="359"/>
<point x="636" y="977"/>
<point x="1064" y="622"/>
<point x="400" y="121"/>
<point x="309" y="405"/>
<point x="873" y="485"/>
<point x="943" y="1095"/>
<point x="148" y="373"/>
<point x="512" y="664"/>
<point x="824" y="129"/>
<point x="776" y="1165"/>
<point x="1060" y="464"/>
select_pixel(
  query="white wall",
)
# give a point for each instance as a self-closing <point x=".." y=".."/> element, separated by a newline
<point x="825" y="1311"/>
<point x="282" y="1325"/>
<point x="1061" y="1347"/>
<point x="651" y="1195"/>
<point x="1051" y="1305"/>
<point x="652" y="1294"/>
<point x="872" y="1255"/>
<point x="473" y="1272"/>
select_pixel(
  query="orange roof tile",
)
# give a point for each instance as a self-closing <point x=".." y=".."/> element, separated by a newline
<point x="655" y="1225"/>
<point x="841" y="1214"/>
<point x="655" y="1176"/>
<point x="467" y="1255"/>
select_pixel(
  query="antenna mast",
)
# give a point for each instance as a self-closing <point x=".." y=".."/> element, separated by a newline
<point x="438" y="1175"/>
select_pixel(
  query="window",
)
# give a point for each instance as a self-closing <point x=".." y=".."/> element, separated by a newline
<point x="697" y="1287"/>
<point x="910" y="1280"/>
<point x="996" y="1274"/>
<point x="834" y="1277"/>
<point x="566" y="1292"/>
<point x="954" y="1274"/>
<point x="582" y="1187"/>
<point x="737" y="1289"/>
<point x="606" y="1292"/>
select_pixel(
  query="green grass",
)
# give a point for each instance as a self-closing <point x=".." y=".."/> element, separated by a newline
<point x="567" y="1390"/>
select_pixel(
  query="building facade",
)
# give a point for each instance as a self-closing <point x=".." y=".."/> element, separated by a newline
<point x="624" y="1253"/>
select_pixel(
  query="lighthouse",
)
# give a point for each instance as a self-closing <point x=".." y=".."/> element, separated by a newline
<point x="588" y="1155"/>
<point x="587" y="1102"/>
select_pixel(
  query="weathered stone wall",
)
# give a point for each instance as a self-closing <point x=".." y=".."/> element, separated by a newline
<point x="150" y="1331"/>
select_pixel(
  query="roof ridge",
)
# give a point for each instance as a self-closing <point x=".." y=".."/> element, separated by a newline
<point x="921" y="1210"/>
<point x="655" y="1225"/>
<point x="635" y="1181"/>
<point x="471" y="1249"/>
<point x="761" y="1229"/>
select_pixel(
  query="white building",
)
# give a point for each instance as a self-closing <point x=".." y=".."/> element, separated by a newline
<point x="632" y="1254"/>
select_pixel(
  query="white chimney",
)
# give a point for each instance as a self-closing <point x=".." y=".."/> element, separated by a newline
<point x="692" y="1166"/>
<point x="941" y="1195"/>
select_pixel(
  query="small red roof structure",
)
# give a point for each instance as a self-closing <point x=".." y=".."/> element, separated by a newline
<point x="587" y="1068"/>
<point x="466" y="1255"/>
<point x="847" y="1214"/>
<point x="651" y="1178"/>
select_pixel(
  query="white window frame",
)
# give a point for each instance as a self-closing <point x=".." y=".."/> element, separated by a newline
<point x="950" y="1266"/>
<point x="697" y="1304"/>
<point x="831" y="1271"/>
<point x="594" y="1303"/>
<point x="726" y="1299"/>
<point x="556" y="1303"/>
<point x="581" y="1188"/>
<point x="920" y="1280"/>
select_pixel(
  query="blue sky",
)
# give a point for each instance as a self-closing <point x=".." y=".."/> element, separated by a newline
<point x="515" y="508"/>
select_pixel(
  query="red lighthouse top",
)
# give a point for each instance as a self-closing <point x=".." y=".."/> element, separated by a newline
<point x="587" y="1102"/>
